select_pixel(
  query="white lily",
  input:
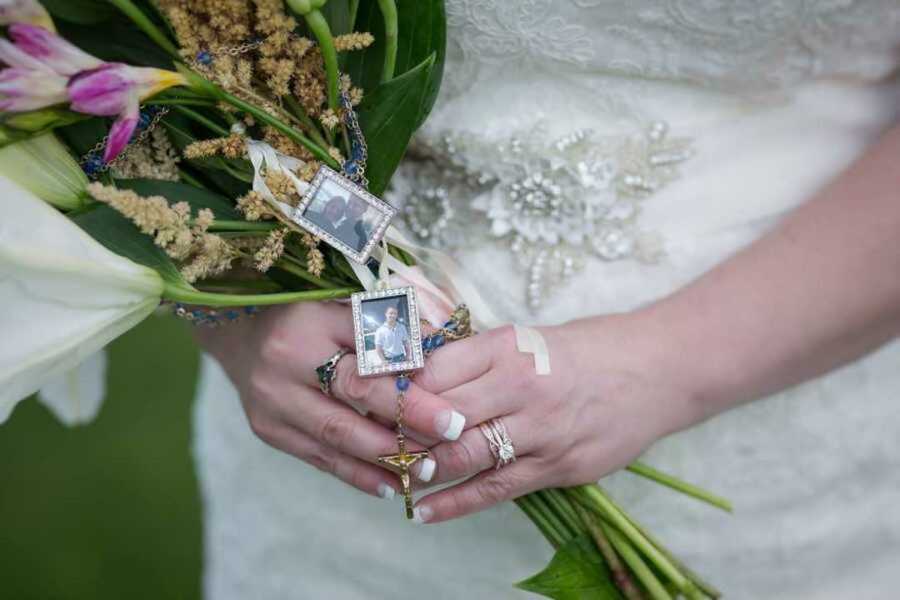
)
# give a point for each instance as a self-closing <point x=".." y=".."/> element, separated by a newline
<point x="63" y="296"/>
<point x="43" y="166"/>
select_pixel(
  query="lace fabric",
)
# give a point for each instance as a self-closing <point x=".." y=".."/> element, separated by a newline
<point x="731" y="45"/>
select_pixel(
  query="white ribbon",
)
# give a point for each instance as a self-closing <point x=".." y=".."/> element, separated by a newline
<point x="266" y="159"/>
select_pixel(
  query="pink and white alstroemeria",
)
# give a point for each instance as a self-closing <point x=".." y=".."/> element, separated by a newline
<point x="25" y="11"/>
<point x="44" y="70"/>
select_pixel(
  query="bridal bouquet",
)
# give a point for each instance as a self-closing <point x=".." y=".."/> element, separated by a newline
<point x="218" y="156"/>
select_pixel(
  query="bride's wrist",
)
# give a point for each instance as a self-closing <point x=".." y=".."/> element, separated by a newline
<point x="636" y="345"/>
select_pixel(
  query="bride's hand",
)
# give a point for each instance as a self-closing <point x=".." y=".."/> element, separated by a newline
<point x="603" y="404"/>
<point x="272" y="360"/>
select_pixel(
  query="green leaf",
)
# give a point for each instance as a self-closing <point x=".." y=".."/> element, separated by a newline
<point x="117" y="40"/>
<point x="423" y="32"/>
<point x="172" y="191"/>
<point x="81" y="137"/>
<point x="121" y="236"/>
<point x="85" y="12"/>
<point x="337" y="13"/>
<point x="389" y="117"/>
<point x="422" y="26"/>
<point x="577" y="572"/>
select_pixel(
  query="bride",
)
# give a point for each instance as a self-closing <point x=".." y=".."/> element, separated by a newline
<point x="696" y="203"/>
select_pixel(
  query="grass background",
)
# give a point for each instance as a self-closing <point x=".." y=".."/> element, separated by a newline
<point x="110" y="510"/>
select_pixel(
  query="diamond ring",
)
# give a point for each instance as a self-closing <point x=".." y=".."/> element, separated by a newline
<point x="498" y="439"/>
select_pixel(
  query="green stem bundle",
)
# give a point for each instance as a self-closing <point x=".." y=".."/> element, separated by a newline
<point x="179" y="293"/>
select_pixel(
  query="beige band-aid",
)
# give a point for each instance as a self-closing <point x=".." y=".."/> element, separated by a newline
<point x="530" y="341"/>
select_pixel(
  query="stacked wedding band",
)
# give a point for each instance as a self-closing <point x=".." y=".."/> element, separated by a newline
<point x="327" y="371"/>
<point x="498" y="439"/>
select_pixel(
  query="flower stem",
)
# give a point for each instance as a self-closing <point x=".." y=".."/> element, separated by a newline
<point x="526" y="503"/>
<point x="194" y="115"/>
<point x="290" y="264"/>
<point x="223" y="225"/>
<point x="297" y="112"/>
<point x="178" y="293"/>
<point x="546" y="511"/>
<point x="563" y="508"/>
<point x="639" y="468"/>
<point x="147" y="26"/>
<point x="389" y="12"/>
<point x="284" y="128"/>
<point x="319" y="27"/>
<point x="594" y="498"/>
<point x="620" y="574"/>
<point x="635" y="563"/>
<point x="698" y="581"/>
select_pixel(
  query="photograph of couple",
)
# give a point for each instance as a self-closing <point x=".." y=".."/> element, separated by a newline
<point x="343" y="215"/>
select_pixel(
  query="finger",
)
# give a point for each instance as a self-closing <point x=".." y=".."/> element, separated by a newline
<point x="425" y="440"/>
<point x="423" y="411"/>
<point x="341" y="428"/>
<point x="471" y="453"/>
<point x="483" y="491"/>
<point x="361" y="475"/>
<point x="457" y="362"/>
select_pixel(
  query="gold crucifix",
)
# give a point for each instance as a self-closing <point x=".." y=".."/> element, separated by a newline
<point x="400" y="463"/>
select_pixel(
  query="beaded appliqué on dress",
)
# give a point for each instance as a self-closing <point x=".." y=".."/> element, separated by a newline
<point x="552" y="204"/>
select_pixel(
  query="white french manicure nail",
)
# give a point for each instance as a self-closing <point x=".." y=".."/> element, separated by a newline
<point x="426" y="471"/>
<point x="386" y="491"/>
<point x="421" y="514"/>
<point x="450" y="424"/>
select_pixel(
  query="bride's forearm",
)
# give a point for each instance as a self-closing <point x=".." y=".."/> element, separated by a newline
<point x="817" y="292"/>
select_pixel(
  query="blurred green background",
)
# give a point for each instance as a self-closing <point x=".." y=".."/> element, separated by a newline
<point x="110" y="510"/>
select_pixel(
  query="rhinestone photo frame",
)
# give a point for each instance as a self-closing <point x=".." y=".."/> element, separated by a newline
<point x="368" y="365"/>
<point x="325" y="187"/>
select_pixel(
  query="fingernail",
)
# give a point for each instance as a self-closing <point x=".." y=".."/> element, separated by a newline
<point x="386" y="491"/>
<point x="450" y="424"/>
<point x="426" y="471"/>
<point x="421" y="514"/>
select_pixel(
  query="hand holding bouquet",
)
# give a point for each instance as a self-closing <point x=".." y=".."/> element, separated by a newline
<point x="180" y="153"/>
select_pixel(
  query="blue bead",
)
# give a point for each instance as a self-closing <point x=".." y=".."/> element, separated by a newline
<point x="93" y="164"/>
<point x="204" y="57"/>
<point x="144" y="120"/>
<point x="426" y="343"/>
<point x="351" y="167"/>
<point x="438" y="341"/>
<point x="356" y="152"/>
<point x="402" y="383"/>
<point x="232" y="315"/>
<point x="451" y="325"/>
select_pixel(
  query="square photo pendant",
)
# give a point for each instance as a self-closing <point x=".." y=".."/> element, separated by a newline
<point x="388" y="338"/>
<point x="343" y="214"/>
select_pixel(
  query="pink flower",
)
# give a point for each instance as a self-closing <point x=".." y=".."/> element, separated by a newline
<point x="25" y="11"/>
<point x="117" y="89"/>
<point x="44" y="70"/>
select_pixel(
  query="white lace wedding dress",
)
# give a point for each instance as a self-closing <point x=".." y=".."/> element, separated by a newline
<point x="589" y="156"/>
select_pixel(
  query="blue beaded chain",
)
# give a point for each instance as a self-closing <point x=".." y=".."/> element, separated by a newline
<point x="93" y="164"/>
<point x="212" y="317"/>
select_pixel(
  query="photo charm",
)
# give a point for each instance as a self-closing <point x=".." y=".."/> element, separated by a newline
<point x="343" y="214"/>
<point x="388" y="338"/>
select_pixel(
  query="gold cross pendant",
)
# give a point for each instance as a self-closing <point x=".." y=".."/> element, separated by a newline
<point x="400" y="463"/>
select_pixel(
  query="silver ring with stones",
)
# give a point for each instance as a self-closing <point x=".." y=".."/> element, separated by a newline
<point x="498" y="439"/>
<point x="327" y="371"/>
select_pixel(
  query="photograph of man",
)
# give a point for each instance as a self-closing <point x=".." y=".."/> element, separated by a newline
<point x="392" y="339"/>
